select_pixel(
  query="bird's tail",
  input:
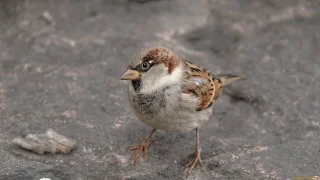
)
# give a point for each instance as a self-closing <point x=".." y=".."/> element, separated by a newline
<point x="227" y="78"/>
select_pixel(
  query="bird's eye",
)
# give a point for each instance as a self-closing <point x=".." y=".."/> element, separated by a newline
<point x="145" y="65"/>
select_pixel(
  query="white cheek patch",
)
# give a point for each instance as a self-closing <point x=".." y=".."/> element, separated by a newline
<point x="168" y="79"/>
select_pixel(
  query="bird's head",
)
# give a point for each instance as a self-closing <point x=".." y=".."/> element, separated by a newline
<point x="153" y="68"/>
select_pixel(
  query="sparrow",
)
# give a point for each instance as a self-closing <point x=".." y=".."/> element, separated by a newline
<point x="171" y="94"/>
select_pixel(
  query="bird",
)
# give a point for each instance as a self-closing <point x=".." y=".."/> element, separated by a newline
<point x="171" y="94"/>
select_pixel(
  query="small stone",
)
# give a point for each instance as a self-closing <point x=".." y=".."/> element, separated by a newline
<point x="47" y="17"/>
<point x="51" y="142"/>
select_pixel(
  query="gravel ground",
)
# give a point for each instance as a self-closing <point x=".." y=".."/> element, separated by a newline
<point x="60" y="63"/>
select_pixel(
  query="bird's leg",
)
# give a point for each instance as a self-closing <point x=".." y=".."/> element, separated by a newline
<point x="143" y="147"/>
<point x="197" y="159"/>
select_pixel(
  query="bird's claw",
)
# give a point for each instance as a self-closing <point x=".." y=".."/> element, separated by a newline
<point x="194" y="162"/>
<point x="143" y="147"/>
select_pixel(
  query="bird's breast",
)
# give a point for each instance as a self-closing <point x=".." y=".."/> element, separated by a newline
<point x="149" y="104"/>
<point x="166" y="110"/>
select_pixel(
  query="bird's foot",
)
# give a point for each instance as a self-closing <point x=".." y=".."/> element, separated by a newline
<point x="141" y="148"/>
<point x="194" y="162"/>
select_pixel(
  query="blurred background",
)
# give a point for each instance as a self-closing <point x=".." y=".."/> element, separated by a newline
<point x="60" y="63"/>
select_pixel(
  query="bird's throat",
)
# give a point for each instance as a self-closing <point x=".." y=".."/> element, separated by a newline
<point x="136" y="84"/>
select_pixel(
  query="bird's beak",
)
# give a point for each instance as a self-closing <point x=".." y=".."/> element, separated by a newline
<point x="130" y="75"/>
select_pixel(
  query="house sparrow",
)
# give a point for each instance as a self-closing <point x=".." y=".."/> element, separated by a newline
<point x="171" y="94"/>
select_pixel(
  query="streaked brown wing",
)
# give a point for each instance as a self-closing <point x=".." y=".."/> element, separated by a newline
<point x="201" y="84"/>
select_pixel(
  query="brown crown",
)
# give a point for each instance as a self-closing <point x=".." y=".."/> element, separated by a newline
<point x="163" y="55"/>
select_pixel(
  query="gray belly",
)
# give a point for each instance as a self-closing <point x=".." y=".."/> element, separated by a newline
<point x="162" y="110"/>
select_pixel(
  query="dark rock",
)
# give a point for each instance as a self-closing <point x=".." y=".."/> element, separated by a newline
<point x="66" y="77"/>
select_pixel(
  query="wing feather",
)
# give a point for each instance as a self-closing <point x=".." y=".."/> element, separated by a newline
<point x="199" y="83"/>
<point x="205" y="86"/>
